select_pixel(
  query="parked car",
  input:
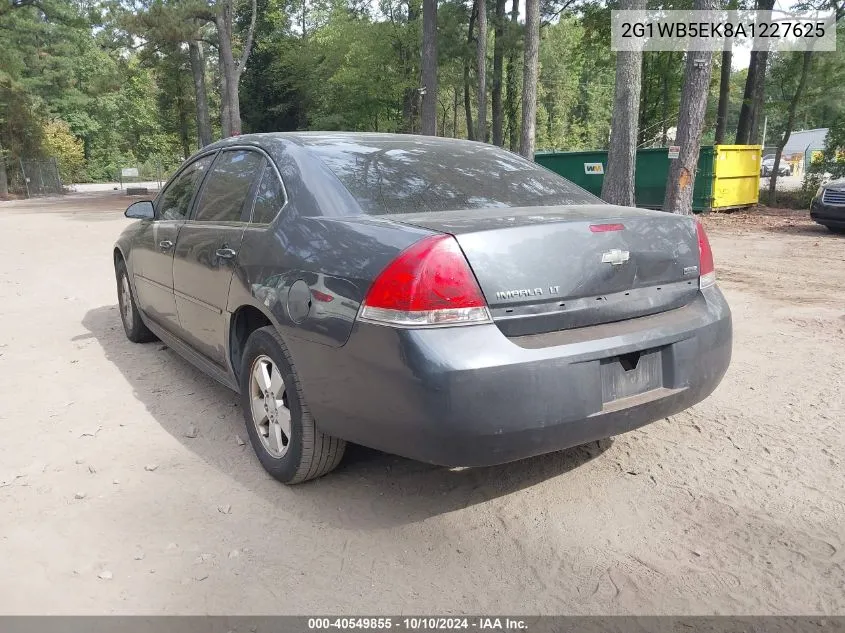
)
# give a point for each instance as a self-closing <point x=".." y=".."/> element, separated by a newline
<point x="443" y="300"/>
<point x="768" y="164"/>
<point x="828" y="205"/>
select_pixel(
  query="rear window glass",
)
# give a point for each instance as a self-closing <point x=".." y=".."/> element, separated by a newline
<point x="269" y="198"/>
<point x="432" y="175"/>
<point x="227" y="187"/>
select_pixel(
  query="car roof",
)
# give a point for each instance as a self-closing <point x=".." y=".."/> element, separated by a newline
<point x="327" y="139"/>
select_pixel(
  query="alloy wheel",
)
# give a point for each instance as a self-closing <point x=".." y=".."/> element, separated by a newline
<point x="269" y="406"/>
<point x="125" y="300"/>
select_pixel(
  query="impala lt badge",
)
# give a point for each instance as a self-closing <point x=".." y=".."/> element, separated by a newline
<point x="526" y="292"/>
<point x="615" y="257"/>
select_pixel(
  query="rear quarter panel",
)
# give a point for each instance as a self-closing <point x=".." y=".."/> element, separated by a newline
<point x="319" y="238"/>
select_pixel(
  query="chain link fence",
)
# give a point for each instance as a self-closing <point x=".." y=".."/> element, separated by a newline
<point x="31" y="178"/>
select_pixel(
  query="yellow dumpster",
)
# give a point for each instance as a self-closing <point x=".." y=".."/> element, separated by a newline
<point x="736" y="176"/>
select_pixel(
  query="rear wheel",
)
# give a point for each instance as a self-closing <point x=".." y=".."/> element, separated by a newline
<point x="134" y="327"/>
<point x="280" y="426"/>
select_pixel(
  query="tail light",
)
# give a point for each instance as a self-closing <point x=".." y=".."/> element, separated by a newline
<point x="428" y="284"/>
<point x="706" y="269"/>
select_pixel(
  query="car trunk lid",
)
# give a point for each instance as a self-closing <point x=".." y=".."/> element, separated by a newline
<point x="543" y="269"/>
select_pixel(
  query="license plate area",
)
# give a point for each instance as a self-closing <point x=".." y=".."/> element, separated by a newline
<point x="631" y="374"/>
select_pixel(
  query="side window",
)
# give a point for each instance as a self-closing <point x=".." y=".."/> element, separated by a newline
<point x="174" y="201"/>
<point x="228" y="186"/>
<point x="269" y="198"/>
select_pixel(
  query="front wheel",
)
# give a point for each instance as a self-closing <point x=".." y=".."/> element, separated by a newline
<point x="281" y="428"/>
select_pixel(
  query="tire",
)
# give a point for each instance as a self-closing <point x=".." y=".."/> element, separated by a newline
<point x="836" y="229"/>
<point x="307" y="453"/>
<point x="134" y="327"/>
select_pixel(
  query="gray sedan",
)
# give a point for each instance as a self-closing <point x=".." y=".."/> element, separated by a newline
<point x="443" y="300"/>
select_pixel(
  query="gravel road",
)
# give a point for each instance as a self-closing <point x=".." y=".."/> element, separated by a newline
<point x="107" y="505"/>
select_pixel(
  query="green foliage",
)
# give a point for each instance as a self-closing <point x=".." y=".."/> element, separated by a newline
<point x="831" y="163"/>
<point x="660" y="97"/>
<point x="798" y="199"/>
<point x="782" y="82"/>
<point x="822" y="105"/>
<point x="362" y="81"/>
<point x="21" y="125"/>
<point x="823" y="101"/>
<point x="60" y="143"/>
<point x="575" y="96"/>
<point x="67" y="64"/>
<point x="113" y="77"/>
<point x="349" y="71"/>
<point x="358" y="69"/>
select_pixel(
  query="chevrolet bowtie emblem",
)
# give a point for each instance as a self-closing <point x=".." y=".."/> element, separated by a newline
<point x="615" y="257"/>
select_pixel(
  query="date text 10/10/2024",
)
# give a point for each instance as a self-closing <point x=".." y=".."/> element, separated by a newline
<point x="418" y="624"/>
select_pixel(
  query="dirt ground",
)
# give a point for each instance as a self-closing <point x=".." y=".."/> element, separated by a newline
<point x="107" y="506"/>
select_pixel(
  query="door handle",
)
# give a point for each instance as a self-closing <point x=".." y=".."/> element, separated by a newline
<point x="225" y="253"/>
<point x="165" y="245"/>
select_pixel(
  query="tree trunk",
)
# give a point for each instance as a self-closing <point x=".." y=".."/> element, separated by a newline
<point x="645" y="96"/>
<point x="498" y="59"/>
<point x="664" y="112"/>
<point x="410" y="100"/>
<point x="468" y="103"/>
<point x="467" y="88"/>
<point x="790" y="122"/>
<point x="752" y="101"/>
<point x="225" y="103"/>
<point x="690" y="124"/>
<point x="511" y="109"/>
<point x="429" y="68"/>
<point x="724" y="88"/>
<point x="743" y="128"/>
<point x="759" y="98"/>
<point x="408" y="110"/>
<point x="184" y="135"/>
<point x="759" y="94"/>
<point x="4" y="179"/>
<point x="529" y="78"/>
<point x="201" y="97"/>
<point x="724" y="97"/>
<point x="454" y="113"/>
<point x="228" y="82"/>
<point x="231" y="71"/>
<point x="618" y="185"/>
<point x="481" y="66"/>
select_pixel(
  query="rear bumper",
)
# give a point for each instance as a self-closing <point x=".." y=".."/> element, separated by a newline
<point x="469" y="396"/>
<point x="828" y="215"/>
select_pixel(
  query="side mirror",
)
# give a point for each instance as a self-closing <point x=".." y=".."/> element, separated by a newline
<point x="141" y="210"/>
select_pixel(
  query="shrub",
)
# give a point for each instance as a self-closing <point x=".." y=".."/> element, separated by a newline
<point x="60" y="143"/>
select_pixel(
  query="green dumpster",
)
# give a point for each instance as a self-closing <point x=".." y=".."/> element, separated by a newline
<point x="586" y="169"/>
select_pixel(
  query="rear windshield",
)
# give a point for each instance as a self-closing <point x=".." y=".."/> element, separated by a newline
<point x="420" y="175"/>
